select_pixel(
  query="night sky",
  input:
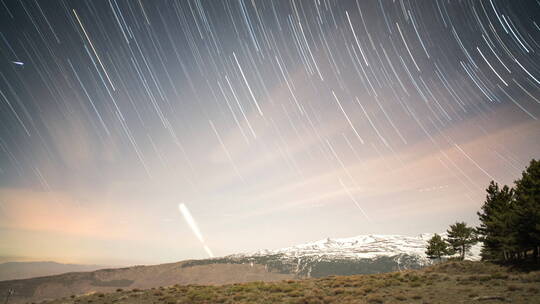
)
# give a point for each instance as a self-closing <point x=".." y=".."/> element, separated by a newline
<point x="150" y="131"/>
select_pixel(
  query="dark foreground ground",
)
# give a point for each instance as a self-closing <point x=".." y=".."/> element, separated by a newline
<point x="450" y="282"/>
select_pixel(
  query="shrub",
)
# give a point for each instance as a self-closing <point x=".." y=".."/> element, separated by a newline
<point x="472" y="278"/>
<point x="295" y="293"/>
<point x="499" y="275"/>
<point x="401" y="297"/>
<point x="513" y="288"/>
<point x="328" y="300"/>
<point x="531" y="277"/>
<point x="416" y="284"/>
<point x="373" y="298"/>
<point x="309" y="300"/>
<point x="368" y="289"/>
<point x="238" y="297"/>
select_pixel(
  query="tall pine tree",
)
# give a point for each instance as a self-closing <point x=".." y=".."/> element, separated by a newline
<point x="496" y="223"/>
<point x="527" y="209"/>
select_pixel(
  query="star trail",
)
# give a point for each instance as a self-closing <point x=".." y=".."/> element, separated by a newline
<point x="270" y="122"/>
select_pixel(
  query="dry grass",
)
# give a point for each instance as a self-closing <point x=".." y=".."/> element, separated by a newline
<point x="452" y="282"/>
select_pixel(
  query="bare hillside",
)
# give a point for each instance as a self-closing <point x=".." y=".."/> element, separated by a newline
<point x="108" y="280"/>
<point x="25" y="270"/>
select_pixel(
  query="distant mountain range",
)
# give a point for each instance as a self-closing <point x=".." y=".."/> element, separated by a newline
<point x="363" y="254"/>
<point x="25" y="270"/>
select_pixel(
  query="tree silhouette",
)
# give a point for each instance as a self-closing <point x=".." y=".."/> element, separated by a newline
<point x="497" y="219"/>
<point x="461" y="237"/>
<point x="437" y="247"/>
<point x="527" y="209"/>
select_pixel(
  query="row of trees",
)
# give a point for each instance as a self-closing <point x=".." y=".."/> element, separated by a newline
<point x="460" y="238"/>
<point x="509" y="223"/>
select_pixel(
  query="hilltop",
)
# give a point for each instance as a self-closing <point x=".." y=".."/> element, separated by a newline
<point x="449" y="282"/>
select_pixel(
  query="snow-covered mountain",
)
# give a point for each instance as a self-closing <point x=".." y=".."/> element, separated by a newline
<point x="345" y="256"/>
<point x="365" y="247"/>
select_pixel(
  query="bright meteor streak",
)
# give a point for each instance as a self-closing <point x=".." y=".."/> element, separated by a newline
<point x="191" y="221"/>
<point x="208" y="251"/>
<point x="193" y="225"/>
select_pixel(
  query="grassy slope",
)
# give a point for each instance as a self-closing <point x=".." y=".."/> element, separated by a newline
<point x="451" y="282"/>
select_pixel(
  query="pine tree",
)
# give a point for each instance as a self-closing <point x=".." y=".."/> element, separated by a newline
<point x="497" y="220"/>
<point x="461" y="238"/>
<point x="437" y="247"/>
<point x="528" y="209"/>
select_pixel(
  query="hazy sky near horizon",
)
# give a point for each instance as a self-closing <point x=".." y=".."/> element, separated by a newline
<point x="272" y="122"/>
